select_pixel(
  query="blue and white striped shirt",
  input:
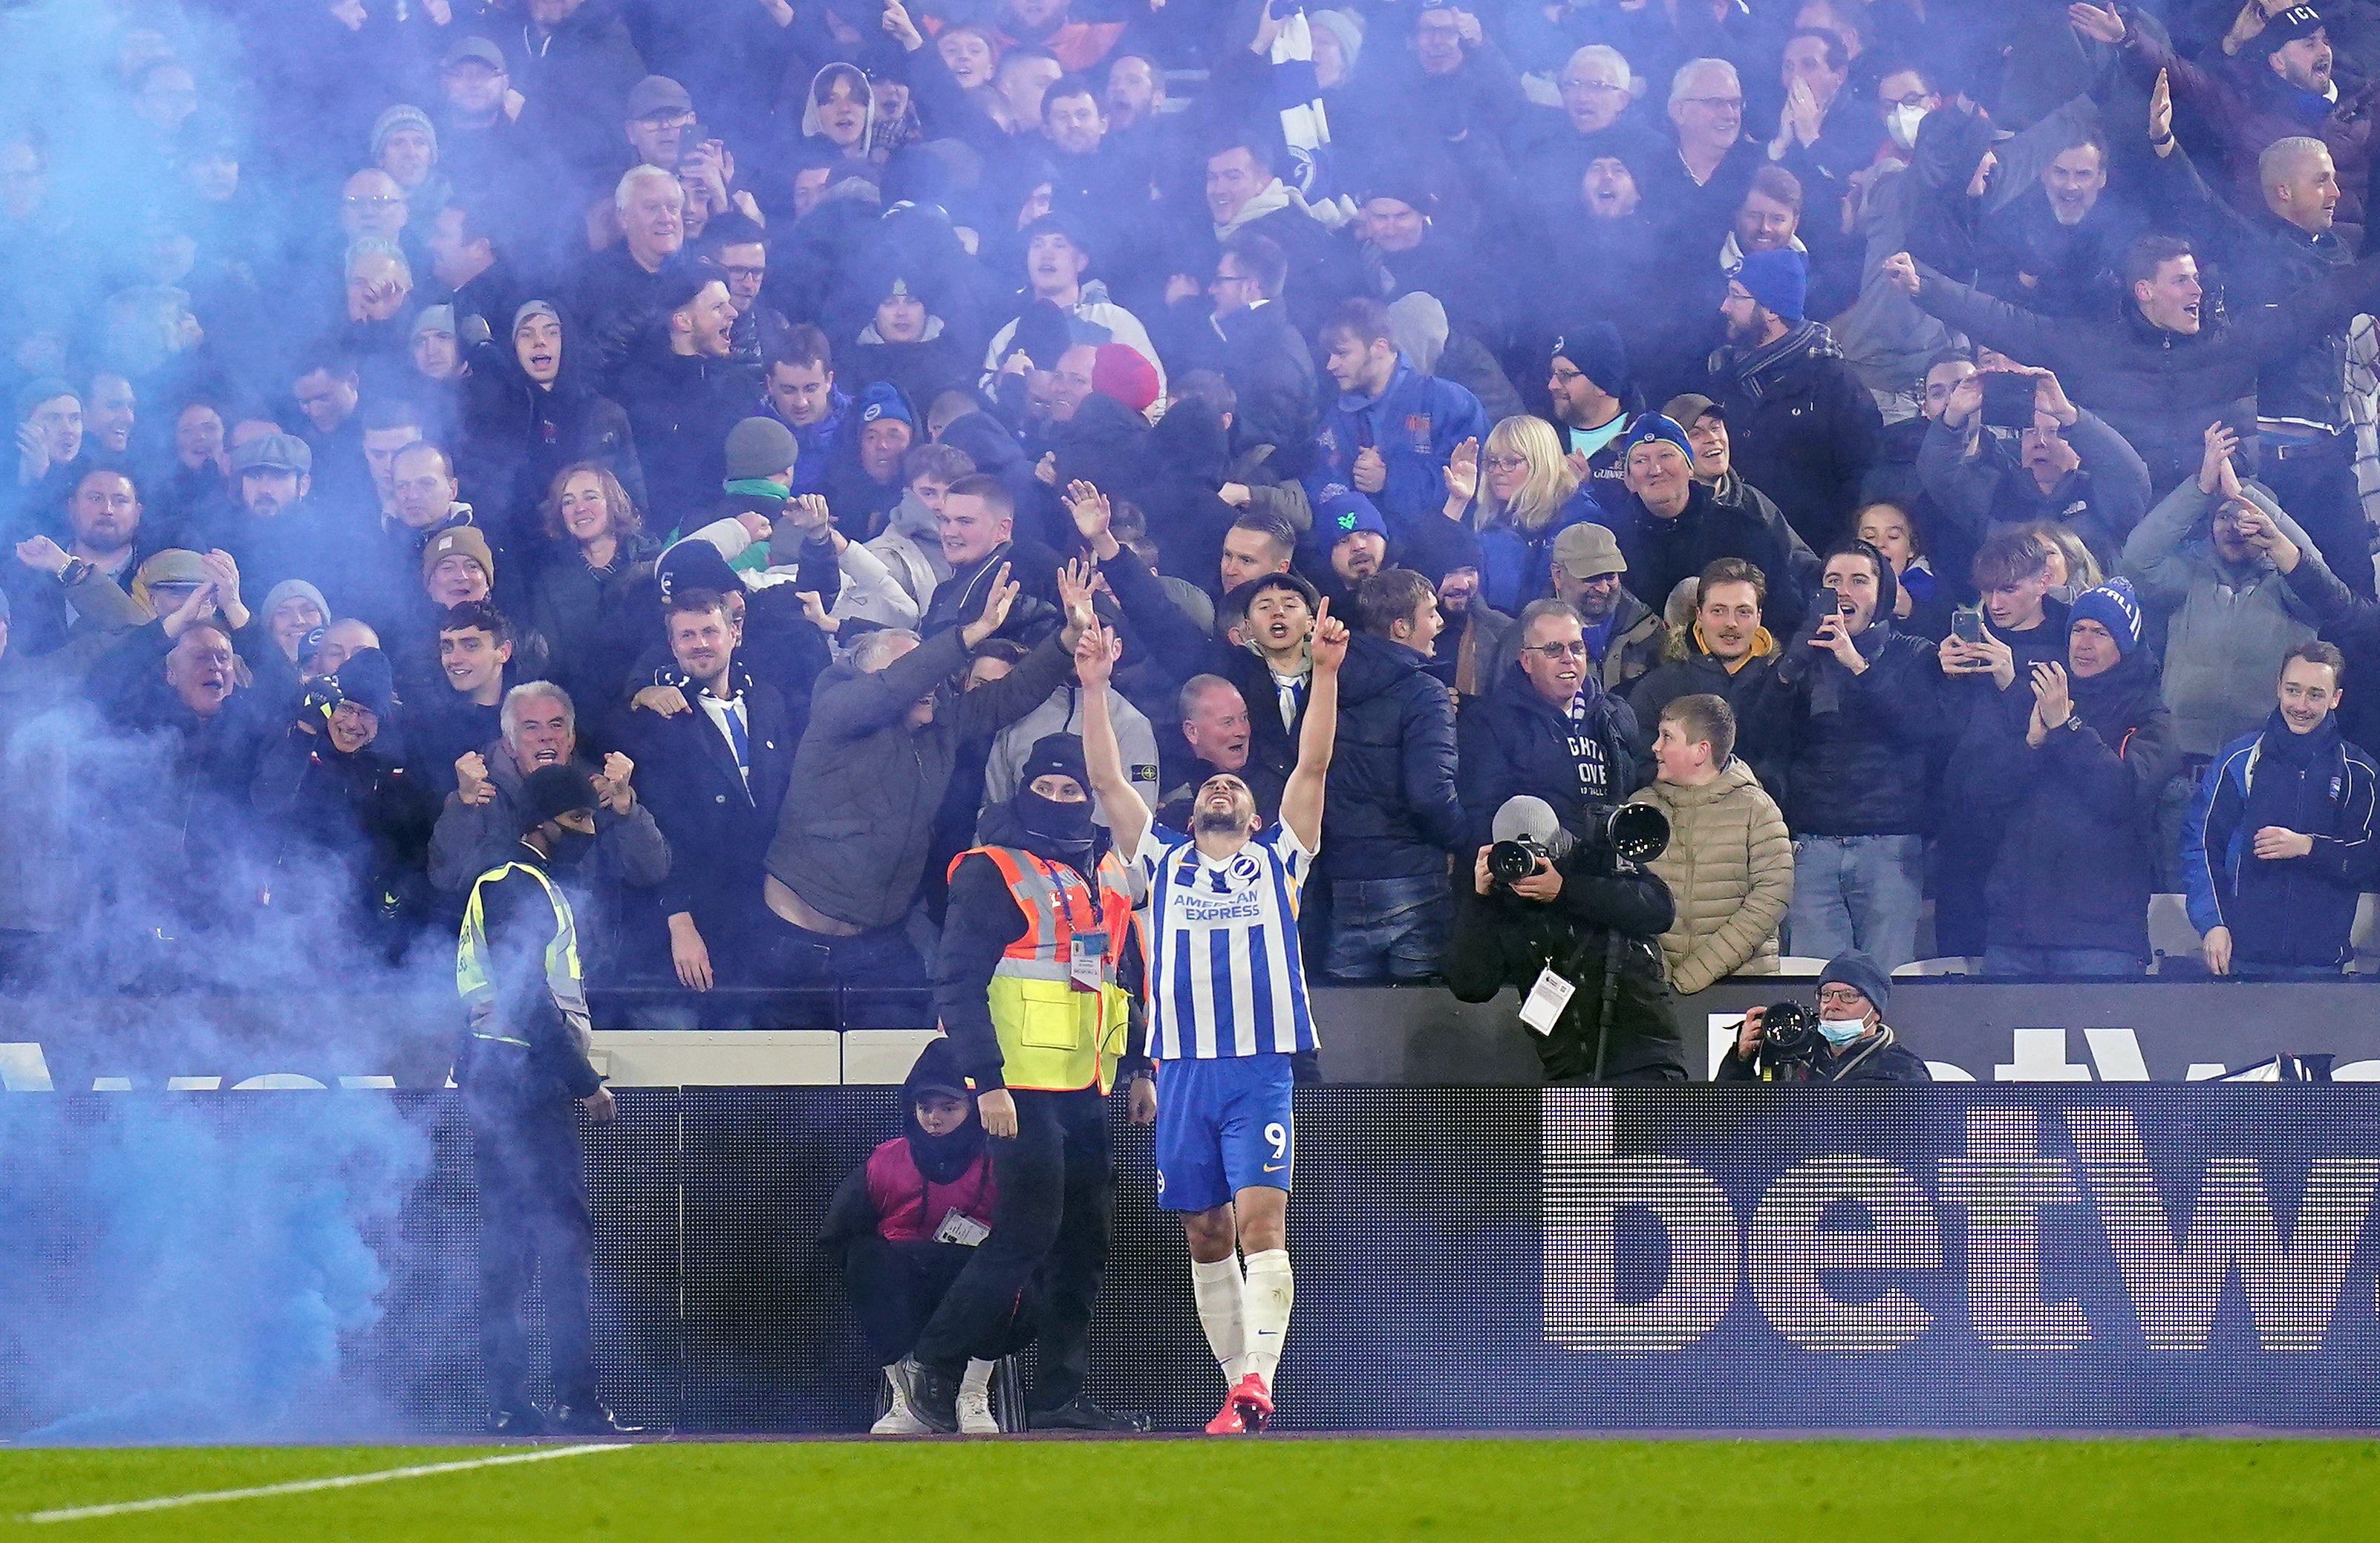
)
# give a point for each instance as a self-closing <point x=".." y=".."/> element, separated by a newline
<point x="1224" y="979"/>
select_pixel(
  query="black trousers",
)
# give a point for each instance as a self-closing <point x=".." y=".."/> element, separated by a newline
<point x="1048" y="1239"/>
<point x="533" y="1213"/>
<point x="2318" y="491"/>
<point x="897" y="1286"/>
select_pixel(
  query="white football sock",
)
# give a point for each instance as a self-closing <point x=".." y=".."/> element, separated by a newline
<point x="978" y="1378"/>
<point x="1222" y="1298"/>
<point x="1271" y="1289"/>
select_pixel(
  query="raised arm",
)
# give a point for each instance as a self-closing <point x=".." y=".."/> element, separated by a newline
<point x="1128" y="817"/>
<point x="1301" y="801"/>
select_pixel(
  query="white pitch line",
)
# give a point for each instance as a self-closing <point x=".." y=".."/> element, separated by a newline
<point x="299" y="1487"/>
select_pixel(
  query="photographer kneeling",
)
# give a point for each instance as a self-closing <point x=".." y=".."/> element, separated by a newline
<point x="1576" y="927"/>
<point x="1847" y="1040"/>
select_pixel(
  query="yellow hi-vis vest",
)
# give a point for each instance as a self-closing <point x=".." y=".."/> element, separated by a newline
<point x="562" y="976"/>
<point x="1056" y="1033"/>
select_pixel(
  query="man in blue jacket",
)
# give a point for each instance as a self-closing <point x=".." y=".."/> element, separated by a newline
<point x="1393" y="429"/>
<point x="1549" y="730"/>
<point x="1391" y="803"/>
<point x="2280" y="840"/>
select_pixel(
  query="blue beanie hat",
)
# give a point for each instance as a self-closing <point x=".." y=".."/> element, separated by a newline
<point x="1779" y="280"/>
<point x="1340" y="511"/>
<point x="883" y="400"/>
<point x="1652" y="427"/>
<point x="2114" y="606"/>
<point x="1862" y="974"/>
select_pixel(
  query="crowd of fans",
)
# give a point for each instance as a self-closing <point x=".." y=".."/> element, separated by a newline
<point x="1922" y="448"/>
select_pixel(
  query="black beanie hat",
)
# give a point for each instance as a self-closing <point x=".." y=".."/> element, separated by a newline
<point x="1055" y="755"/>
<point x="551" y="792"/>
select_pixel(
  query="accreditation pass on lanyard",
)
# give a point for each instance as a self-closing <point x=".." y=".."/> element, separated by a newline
<point x="1087" y="955"/>
<point x="1547" y="998"/>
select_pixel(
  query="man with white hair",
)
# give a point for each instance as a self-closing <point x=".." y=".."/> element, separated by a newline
<point x="621" y="285"/>
<point x="1596" y="118"/>
<point x="1704" y="180"/>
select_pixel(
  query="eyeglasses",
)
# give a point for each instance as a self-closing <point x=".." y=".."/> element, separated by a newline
<point x="737" y="271"/>
<point x="1554" y="653"/>
<point x="370" y="203"/>
<point x="1838" y="996"/>
<point x="1506" y="463"/>
<point x="1915" y="99"/>
<point x="1585" y="86"/>
<point x="1716" y="104"/>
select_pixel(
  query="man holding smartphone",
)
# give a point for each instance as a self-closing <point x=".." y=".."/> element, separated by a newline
<point x="1859" y="706"/>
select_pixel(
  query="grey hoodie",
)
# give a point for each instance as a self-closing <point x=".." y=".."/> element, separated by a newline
<point x="2227" y="625"/>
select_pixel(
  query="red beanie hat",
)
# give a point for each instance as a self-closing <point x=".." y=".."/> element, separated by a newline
<point x="1121" y="372"/>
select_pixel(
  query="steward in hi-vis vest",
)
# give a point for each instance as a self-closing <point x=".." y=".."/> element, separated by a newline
<point x="1036" y="985"/>
<point x="523" y="1063"/>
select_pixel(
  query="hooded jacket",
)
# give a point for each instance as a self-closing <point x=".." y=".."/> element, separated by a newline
<point x="1661" y="551"/>
<point x="1729" y="870"/>
<point x="2227" y="625"/>
<point x="2074" y="866"/>
<point x="911" y="1183"/>
<point x="521" y="434"/>
<point x="1391" y="804"/>
<point x="2292" y="910"/>
<point x="1692" y="669"/>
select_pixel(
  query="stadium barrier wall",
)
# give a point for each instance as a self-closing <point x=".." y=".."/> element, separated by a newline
<point x="2014" y="1259"/>
<point x="1970" y="1030"/>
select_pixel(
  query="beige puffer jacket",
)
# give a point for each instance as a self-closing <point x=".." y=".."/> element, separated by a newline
<point x="1729" y="866"/>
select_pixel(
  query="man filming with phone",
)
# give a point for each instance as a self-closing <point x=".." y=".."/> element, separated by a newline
<point x="1858" y="706"/>
<point x="2052" y="461"/>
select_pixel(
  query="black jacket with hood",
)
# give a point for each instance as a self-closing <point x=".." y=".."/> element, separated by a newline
<point x="1390" y="806"/>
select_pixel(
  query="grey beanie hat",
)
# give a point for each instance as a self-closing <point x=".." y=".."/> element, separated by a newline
<point x="759" y="447"/>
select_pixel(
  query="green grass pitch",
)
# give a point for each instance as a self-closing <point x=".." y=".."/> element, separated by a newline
<point x="1677" y="1491"/>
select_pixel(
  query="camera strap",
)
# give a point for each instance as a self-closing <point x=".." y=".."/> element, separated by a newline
<point x="1611" y="996"/>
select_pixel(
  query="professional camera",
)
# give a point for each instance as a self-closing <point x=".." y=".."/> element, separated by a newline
<point x="1509" y="862"/>
<point x="1629" y="832"/>
<point x="1789" y="1034"/>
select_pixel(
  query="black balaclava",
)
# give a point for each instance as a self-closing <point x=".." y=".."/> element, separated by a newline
<point x="1059" y="832"/>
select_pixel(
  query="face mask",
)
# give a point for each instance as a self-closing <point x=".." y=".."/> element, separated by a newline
<point x="569" y="848"/>
<point x="1902" y="123"/>
<point x="1067" y="827"/>
<point x="1841" y="1031"/>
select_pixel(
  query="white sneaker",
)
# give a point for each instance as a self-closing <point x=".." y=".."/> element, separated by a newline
<point x="975" y="1401"/>
<point x="900" y="1420"/>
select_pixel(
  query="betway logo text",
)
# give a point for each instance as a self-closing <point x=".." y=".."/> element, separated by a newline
<point x="2173" y="1252"/>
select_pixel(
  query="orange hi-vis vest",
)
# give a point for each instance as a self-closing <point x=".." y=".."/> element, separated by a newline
<point x="1061" y="1019"/>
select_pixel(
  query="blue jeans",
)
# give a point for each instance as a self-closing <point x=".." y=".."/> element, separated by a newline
<point x="1387" y="929"/>
<point x="1857" y="891"/>
<point x="2060" y="964"/>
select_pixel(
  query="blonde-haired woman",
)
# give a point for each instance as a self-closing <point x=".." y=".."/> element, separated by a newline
<point x="1519" y="492"/>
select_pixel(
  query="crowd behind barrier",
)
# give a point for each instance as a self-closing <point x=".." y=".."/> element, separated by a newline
<point x="1926" y="453"/>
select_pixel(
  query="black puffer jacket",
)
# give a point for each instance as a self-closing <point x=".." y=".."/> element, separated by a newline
<point x="1514" y="742"/>
<point x="1661" y="551"/>
<point x="1390" y="811"/>
<point x="1857" y="747"/>
<point x="2074" y="868"/>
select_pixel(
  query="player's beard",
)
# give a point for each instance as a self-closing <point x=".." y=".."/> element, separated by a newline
<point x="1207" y="822"/>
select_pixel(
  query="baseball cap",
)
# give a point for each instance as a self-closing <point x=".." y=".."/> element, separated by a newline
<point x="1688" y="408"/>
<point x="473" y="50"/>
<point x="1589" y="551"/>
